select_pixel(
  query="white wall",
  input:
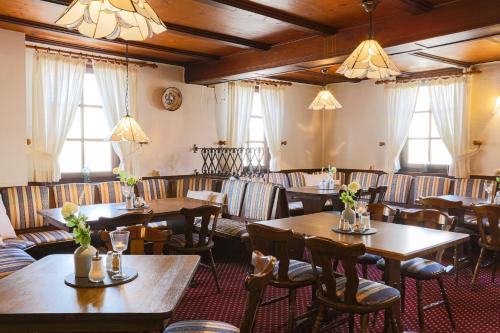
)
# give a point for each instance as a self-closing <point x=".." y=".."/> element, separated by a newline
<point x="13" y="149"/>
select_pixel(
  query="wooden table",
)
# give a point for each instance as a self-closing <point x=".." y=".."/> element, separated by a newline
<point x="394" y="242"/>
<point x="313" y="199"/>
<point x="162" y="209"/>
<point x="36" y="299"/>
<point x="467" y="202"/>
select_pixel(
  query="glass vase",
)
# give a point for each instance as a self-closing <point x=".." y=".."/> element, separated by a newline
<point x="348" y="214"/>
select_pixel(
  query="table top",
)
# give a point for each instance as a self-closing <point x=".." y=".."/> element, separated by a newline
<point x="39" y="292"/>
<point x="312" y="190"/>
<point x="392" y="241"/>
<point x="466" y="201"/>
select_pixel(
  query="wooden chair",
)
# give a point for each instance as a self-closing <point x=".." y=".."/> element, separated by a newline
<point x="255" y="285"/>
<point x="139" y="236"/>
<point x="201" y="242"/>
<point x="134" y="218"/>
<point x="289" y="274"/>
<point x="422" y="269"/>
<point x="489" y="230"/>
<point x="373" y="194"/>
<point x="348" y="293"/>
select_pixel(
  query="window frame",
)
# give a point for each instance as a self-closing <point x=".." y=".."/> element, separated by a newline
<point x="267" y="154"/>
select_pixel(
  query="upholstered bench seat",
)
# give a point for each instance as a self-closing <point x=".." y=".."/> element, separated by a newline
<point x="418" y="268"/>
<point x="12" y="260"/>
<point x="369" y="292"/>
<point x="227" y="228"/>
<point x="17" y="243"/>
<point x="46" y="237"/>
<point x="201" y="326"/>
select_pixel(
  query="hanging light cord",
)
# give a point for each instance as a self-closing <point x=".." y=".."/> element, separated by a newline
<point x="126" y="90"/>
<point x="370" y="33"/>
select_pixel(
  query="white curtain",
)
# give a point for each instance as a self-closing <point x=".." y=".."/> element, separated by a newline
<point x="112" y="81"/>
<point x="449" y="98"/>
<point x="273" y="108"/>
<point x="400" y="101"/>
<point x="239" y="112"/>
<point x="221" y="92"/>
<point x="57" y="90"/>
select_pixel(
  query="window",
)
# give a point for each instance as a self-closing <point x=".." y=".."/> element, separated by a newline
<point x="85" y="146"/>
<point x="256" y="135"/>
<point x="424" y="146"/>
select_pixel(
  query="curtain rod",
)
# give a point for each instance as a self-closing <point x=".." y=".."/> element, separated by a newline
<point x="429" y="76"/>
<point x="269" y="82"/>
<point x="90" y="56"/>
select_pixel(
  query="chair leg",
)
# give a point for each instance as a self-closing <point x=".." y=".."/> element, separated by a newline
<point x="455" y="263"/>
<point x="420" y="307"/>
<point x="495" y="266"/>
<point x="364" y="323"/>
<point x="403" y="293"/>
<point x="335" y="264"/>
<point x="292" y="301"/>
<point x="214" y="270"/>
<point x="319" y="319"/>
<point x="364" y="270"/>
<point x="446" y="302"/>
<point x="351" y="323"/>
<point x="478" y="266"/>
<point x="392" y="320"/>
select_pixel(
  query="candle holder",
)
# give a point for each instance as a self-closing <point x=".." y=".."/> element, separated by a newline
<point x="119" y="241"/>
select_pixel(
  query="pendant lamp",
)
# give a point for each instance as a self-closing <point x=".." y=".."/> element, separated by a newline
<point x="325" y="99"/>
<point x="111" y="19"/>
<point x="369" y="59"/>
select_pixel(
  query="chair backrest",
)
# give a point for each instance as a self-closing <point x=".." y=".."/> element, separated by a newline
<point x="490" y="231"/>
<point x="259" y="200"/>
<point x="153" y="188"/>
<point x="111" y="192"/>
<point x="255" y="284"/>
<point x="381" y="212"/>
<point x="426" y="186"/>
<point x="80" y="194"/>
<point x="133" y="218"/>
<point x="139" y="235"/>
<point x="473" y="188"/>
<point x="208" y="215"/>
<point x="278" y="178"/>
<point x="429" y="218"/>
<point x="376" y="194"/>
<point x="22" y="204"/>
<point x="365" y="179"/>
<point x="398" y="187"/>
<point x="324" y="251"/>
<point x="453" y="208"/>
<point x="296" y="179"/>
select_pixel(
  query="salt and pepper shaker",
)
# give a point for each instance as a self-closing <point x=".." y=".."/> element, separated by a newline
<point x="109" y="261"/>
<point x="96" y="273"/>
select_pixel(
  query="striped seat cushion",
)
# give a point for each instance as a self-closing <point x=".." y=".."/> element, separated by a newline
<point x="153" y="189"/>
<point x="160" y="224"/>
<point x="278" y="178"/>
<point x="259" y="199"/>
<point x="111" y="192"/>
<point x="47" y="237"/>
<point x="398" y="187"/>
<point x="234" y="190"/>
<point x="12" y="260"/>
<point x="296" y="179"/>
<point x="418" y="268"/>
<point x="226" y="228"/>
<point x="369" y="292"/>
<point x="365" y="179"/>
<point x="201" y="326"/>
<point x="22" y="204"/>
<point x="193" y="183"/>
<point x="80" y="194"/>
<point x="473" y="188"/>
<point x="296" y="205"/>
<point x="298" y="271"/>
<point x="368" y="259"/>
<point x="21" y="244"/>
<point x="428" y="186"/>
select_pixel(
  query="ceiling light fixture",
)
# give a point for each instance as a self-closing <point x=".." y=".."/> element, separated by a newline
<point x="369" y="59"/>
<point x="325" y="99"/>
<point x="111" y="19"/>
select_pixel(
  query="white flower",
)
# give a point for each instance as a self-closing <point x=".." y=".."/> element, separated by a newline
<point x="69" y="209"/>
<point x="343" y="187"/>
<point x="354" y="187"/>
<point x="116" y="171"/>
<point x="333" y="169"/>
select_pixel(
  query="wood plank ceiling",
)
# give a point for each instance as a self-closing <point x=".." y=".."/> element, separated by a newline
<point x="220" y="40"/>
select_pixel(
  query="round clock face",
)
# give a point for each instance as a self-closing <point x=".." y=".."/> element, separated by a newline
<point x="172" y="99"/>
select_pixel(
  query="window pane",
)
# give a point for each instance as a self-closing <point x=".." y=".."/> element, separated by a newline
<point x="75" y="132"/>
<point x="95" y="124"/>
<point x="439" y="153"/>
<point x="98" y="156"/>
<point x="418" y="151"/>
<point x="256" y="130"/>
<point x="423" y="101"/>
<point x="256" y="106"/>
<point x="419" y="127"/>
<point x="70" y="159"/>
<point x="91" y="94"/>
<point x="434" y="131"/>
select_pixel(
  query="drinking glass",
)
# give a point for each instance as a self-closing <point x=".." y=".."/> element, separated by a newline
<point x="488" y="188"/>
<point x="365" y="221"/>
<point x="119" y="241"/>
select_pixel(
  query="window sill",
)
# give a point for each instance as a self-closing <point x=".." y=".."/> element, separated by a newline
<point x="95" y="177"/>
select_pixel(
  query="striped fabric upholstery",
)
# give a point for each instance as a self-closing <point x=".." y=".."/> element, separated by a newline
<point x="473" y="188"/>
<point x="365" y="179"/>
<point x="22" y="204"/>
<point x="398" y="187"/>
<point x="111" y="192"/>
<point x="418" y="268"/>
<point x="234" y="189"/>
<point x="153" y="189"/>
<point x="18" y="243"/>
<point x="12" y="259"/>
<point x="193" y="183"/>
<point x="47" y="237"/>
<point x="259" y="198"/>
<point x="278" y="178"/>
<point x="72" y="193"/>
<point x="160" y="224"/>
<point x="296" y="179"/>
<point x="369" y="292"/>
<point x="426" y="186"/>
<point x="297" y="271"/>
<point x="226" y="227"/>
<point x="201" y="326"/>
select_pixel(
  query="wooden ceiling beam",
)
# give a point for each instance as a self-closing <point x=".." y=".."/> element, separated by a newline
<point x="330" y="78"/>
<point x="398" y="34"/>
<point x="212" y="35"/>
<point x="419" y="6"/>
<point x="277" y="14"/>
<point x="458" y="63"/>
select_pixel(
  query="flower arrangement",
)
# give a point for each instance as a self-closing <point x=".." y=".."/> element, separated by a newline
<point x="81" y="230"/>
<point x="330" y="170"/>
<point x="348" y="195"/>
<point x="125" y="177"/>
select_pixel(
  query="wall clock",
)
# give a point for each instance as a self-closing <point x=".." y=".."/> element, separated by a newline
<point x="172" y="99"/>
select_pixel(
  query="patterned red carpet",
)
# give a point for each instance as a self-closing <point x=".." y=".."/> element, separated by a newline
<point x="475" y="310"/>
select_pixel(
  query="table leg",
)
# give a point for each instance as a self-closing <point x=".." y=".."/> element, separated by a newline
<point x="392" y="277"/>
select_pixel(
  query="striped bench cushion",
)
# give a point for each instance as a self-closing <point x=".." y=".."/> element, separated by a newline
<point x="278" y="178"/>
<point x="428" y="186"/>
<point x="193" y="183"/>
<point x="47" y="237"/>
<point x="73" y="193"/>
<point x="369" y="292"/>
<point x="206" y="326"/>
<point x="473" y="188"/>
<point x="365" y="179"/>
<point x="22" y="204"/>
<point x="153" y="189"/>
<point x="259" y="199"/>
<point x="18" y="243"/>
<point x="398" y="187"/>
<point x="296" y="179"/>
<point x="111" y="192"/>
<point x="12" y="260"/>
<point x="226" y="228"/>
<point x="234" y="190"/>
